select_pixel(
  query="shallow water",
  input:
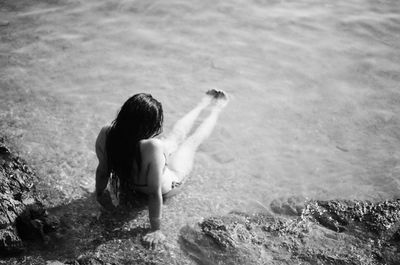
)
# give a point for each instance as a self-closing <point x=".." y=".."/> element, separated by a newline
<point x="314" y="87"/>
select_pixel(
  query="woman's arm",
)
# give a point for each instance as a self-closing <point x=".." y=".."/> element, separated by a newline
<point x="102" y="195"/>
<point x="102" y="172"/>
<point x="155" y="210"/>
<point x="102" y="176"/>
<point x="154" y="158"/>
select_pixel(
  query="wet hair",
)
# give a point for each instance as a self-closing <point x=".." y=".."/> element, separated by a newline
<point x="140" y="117"/>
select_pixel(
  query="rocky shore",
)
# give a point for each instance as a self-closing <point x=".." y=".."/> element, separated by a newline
<point x="295" y="231"/>
<point x="22" y="215"/>
<point x="306" y="232"/>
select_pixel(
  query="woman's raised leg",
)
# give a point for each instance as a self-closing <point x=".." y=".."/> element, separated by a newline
<point x="183" y="126"/>
<point x="181" y="161"/>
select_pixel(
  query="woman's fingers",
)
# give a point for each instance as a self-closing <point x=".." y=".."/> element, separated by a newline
<point x="152" y="240"/>
<point x="148" y="240"/>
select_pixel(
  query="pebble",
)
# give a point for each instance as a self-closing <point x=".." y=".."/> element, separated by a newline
<point x="4" y="23"/>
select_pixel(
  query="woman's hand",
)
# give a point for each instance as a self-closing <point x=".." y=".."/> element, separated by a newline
<point x="152" y="239"/>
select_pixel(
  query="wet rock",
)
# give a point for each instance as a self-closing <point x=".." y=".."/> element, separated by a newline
<point x="336" y="215"/>
<point x="322" y="216"/>
<point x="289" y="206"/>
<point x="21" y="213"/>
<point x="216" y="229"/>
<point x="35" y="223"/>
<point x="210" y="249"/>
<point x="380" y="218"/>
<point x="325" y="232"/>
<point x="88" y="260"/>
<point x="10" y="242"/>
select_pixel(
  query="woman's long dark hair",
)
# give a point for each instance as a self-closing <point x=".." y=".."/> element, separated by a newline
<point x="141" y="117"/>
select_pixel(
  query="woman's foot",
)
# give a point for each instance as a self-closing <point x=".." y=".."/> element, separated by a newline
<point x="217" y="94"/>
<point x="220" y="97"/>
<point x="212" y="93"/>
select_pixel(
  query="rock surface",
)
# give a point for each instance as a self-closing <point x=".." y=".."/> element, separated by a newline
<point x="21" y="213"/>
<point x="315" y="232"/>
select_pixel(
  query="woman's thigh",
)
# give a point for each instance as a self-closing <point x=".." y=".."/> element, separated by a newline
<point x="169" y="180"/>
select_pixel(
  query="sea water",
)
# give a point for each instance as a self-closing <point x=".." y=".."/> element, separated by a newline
<point x="313" y="85"/>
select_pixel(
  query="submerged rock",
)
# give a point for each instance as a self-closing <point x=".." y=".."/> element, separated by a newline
<point x="377" y="218"/>
<point x="324" y="232"/>
<point x="289" y="206"/>
<point x="22" y="216"/>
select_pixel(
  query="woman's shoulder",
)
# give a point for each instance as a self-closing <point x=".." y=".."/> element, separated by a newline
<point x="105" y="129"/>
<point x="152" y="150"/>
<point x="101" y="138"/>
<point x="152" y="144"/>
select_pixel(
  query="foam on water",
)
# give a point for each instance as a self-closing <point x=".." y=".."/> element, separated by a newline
<point x="314" y="86"/>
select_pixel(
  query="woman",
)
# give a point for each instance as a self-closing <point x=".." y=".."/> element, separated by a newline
<point x="129" y="151"/>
